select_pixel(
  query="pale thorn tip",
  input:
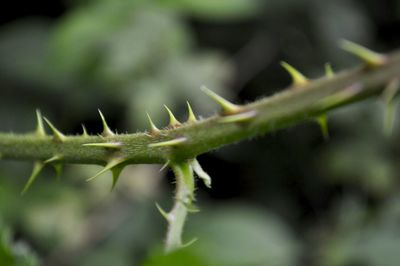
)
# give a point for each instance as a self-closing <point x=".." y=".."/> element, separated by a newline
<point x="107" y="145"/>
<point x="201" y="173"/>
<point x="84" y="131"/>
<point x="109" y="166"/>
<point x="227" y="107"/>
<point x="53" y="159"/>
<point x="153" y="128"/>
<point x="58" y="136"/>
<point x="191" y="117"/>
<point x="173" y="122"/>
<point x="107" y="132"/>
<point x="371" y="58"/>
<point x="240" y="117"/>
<point x="298" y="78"/>
<point x="173" y="142"/>
<point x="39" y="124"/>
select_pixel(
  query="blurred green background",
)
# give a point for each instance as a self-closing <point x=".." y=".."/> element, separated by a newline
<point x="287" y="198"/>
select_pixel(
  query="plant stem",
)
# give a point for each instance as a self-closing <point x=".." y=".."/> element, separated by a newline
<point x="291" y="106"/>
<point x="183" y="199"/>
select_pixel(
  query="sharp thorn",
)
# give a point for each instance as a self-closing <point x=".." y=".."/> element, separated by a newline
<point x="167" y="143"/>
<point x="58" y="136"/>
<point x="58" y="169"/>
<point x="110" y="165"/>
<point x="371" y="58"/>
<point x="107" y="132"/>
<point x="116" y="172"/>
<point x="84" y="131"/>
<point x="191" y="242"/>
<point x="227" y="107"/>
<point x="192" y="208"/>
<point x="329" y="71"/>
<point x="322" y="121"/>
<point x="40" y="132"/>
<point x="153" y="128"/>
<point x="201" y="173"/>
<point x="37" y="168"/>
<point x="191" y="117"/>
<point x="107" y="145"/>
<point x="241" y="117"/>
<point x="164" y="166"/>
<point x="163" y="213"/>
<point x="298" y="78"/>
<point x="53" y="159"/>
<point x="173" y="122"/>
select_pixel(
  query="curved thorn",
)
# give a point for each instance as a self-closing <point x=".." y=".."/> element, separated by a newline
<point x="191" y="208"/>
<point x="227" y="107"/>
<point x="191" y="117"/>
<point x="173" y="142"/>
<point x="153" y="128"/>
<point x="329" y="71"/>
<point x="201" y="173"/>
<point x="298" y="78"/>
<point x="110" y="165"/>
<point x="84" y="131"/>
<point x="163" y="213"/>
<point x="173" y="122"/>
<point x="107" y="145"/>
<point x="322" y="121"/>
<point x="53" y="159"/>
<point x="58" y="136"/>
<point x="191" y="242"/>
<point x="107" y="132"/>
<point x="37" y="168"/>
<point x="40" y="132"/>
<point x="371" y="58"/>
<point x="241" y="117"/>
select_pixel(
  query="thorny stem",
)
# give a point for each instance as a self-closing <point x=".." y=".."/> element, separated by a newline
<point x="183" y="199"/>
<point x="291" y="106"/>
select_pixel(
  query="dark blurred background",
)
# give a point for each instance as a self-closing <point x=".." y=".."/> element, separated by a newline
<point x="287" y="198"/>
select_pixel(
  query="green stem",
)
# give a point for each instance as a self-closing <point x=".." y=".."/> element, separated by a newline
<point x="183" y="199"/>
<point x="291" y="106"/>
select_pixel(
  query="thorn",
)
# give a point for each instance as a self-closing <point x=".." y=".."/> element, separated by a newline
<point x="298" y="78"/>
<point x="107" y="132"/>
<point x="107" y="145"/>
<point x="163" y="213"/>
<point x="53" y="159"/>
<point x="322" y="120"/>
<point x="37" y="168"/>
<point x="201" y="173"/>
<point x="58" y="169"/>
<point x="84" y="131"/>
<point x="164" y="166"/>
<point x="153" y="128"/>
<point x="371" y="58"/>
<point x="116" y="171"/>
<point x="329" y="71"/>
<point x="192" y="208"/>
<point x="191" y="117"/>
<point x="191" y="242"/>
<point x="173" y="142"/>
<point x="58" y="136"/>
<point x="227" y="107"/>
<point x="39" y="124"/>
<point x="109" y="166"/>
<point x="173" y="122"/>
<point x="389" y="93"/>
<point x="241" y="117"/>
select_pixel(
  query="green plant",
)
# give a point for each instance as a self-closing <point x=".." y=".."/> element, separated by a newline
<point x="178" y="145"/>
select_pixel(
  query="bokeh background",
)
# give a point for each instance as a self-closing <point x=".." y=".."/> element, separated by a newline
<point x="287" y="198"/>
